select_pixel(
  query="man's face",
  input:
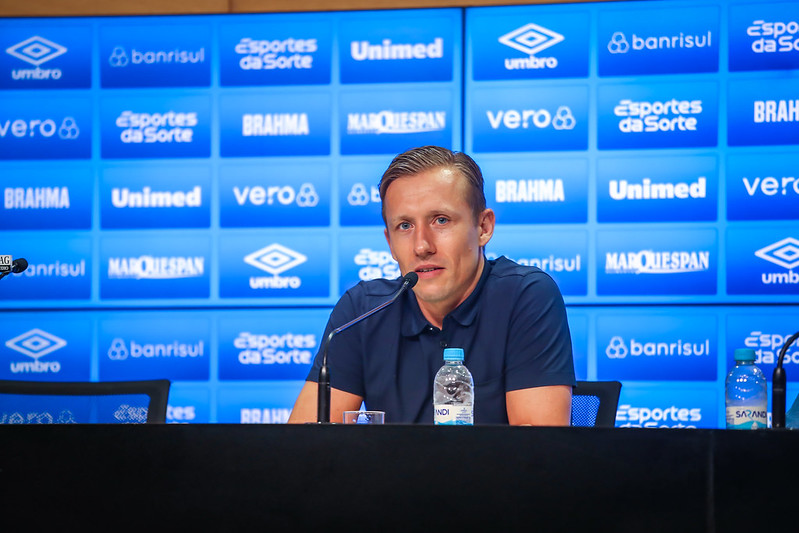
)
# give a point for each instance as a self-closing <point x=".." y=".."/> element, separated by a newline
<point x="430" y="229"/>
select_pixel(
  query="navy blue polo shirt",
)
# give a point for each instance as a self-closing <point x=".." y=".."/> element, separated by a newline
<point x="512" y="328"/>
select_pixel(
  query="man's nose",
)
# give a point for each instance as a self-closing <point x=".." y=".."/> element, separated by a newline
<point x="423" y="244"/>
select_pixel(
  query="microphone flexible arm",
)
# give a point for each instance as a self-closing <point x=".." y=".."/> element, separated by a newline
<point x="778" y="387"/>
<point x="323" y="396"/>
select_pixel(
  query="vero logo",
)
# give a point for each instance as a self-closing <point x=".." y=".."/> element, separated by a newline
<point x="36" y="343"/>
<point x="275" y="259"/>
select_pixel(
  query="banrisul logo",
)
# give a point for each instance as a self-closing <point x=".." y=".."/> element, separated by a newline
<point x="764" y="36"/>
<point x="275" y="259"/>
<point x="155" y="56"/>
<point x="35" y="343"/>
<point x="657" y="346"/>
<point x="666" y="41"/>
<point x="36" y="51"/>
<point x="531" y="39"/>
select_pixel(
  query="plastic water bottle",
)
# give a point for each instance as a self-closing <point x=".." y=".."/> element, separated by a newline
<point x="746" y="396"/>
<point x="453" y="391"/>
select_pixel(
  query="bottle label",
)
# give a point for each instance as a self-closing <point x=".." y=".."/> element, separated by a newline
<point x="453" y="415"/>
<point x="747" y="417"/>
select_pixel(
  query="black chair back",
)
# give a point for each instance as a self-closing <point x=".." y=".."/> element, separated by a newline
<point x="110" y="402"/>
<point x="594" y="403"/>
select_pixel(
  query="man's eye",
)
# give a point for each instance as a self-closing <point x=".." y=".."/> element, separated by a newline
<point x="442" y="220"/>
<point x="404" y="226"/>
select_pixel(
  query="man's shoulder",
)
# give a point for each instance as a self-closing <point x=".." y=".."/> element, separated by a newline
<point x="504" y="268"/>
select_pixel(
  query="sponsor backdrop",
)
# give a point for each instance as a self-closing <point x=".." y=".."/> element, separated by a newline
<point x="194" y="193"/>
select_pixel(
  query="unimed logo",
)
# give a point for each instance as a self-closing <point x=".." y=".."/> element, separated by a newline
<point x="387" y="50"/>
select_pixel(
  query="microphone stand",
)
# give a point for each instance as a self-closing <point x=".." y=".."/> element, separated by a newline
<point x="323" y="396"/>
<point x="778" y="387"/>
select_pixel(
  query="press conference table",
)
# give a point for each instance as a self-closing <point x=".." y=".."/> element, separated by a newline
<point x="220" y="477"/>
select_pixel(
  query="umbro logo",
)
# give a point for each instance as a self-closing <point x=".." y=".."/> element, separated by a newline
<point x="275" y="259"/>
<point x="36" y="343"/>
<point x="531" y="39"/>
<point x="36" y="50"/>
<point x="784" y="253"/>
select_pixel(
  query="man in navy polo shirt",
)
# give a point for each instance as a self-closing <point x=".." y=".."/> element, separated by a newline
<point x="509" y="319"/>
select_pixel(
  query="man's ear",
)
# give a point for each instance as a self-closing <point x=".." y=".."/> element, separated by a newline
<point x="486" y="224"/>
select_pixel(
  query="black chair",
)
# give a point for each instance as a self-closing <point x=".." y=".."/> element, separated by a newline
<point x="594" y="403"/>
<point x="110" y="402"/>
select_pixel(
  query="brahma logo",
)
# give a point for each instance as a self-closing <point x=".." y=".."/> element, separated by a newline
<point x="784" y="253"/>
<point x="275" y="259"/>
<point x="274" y="124"/>
<point x="36" y="51"/>
<point x="36" y="198"/>
<point x="529" y="191"/>
<point x="531" y="39"/>
<point x="396" y="122"/>
<point x="35" y="343"/>
<point x="775" y="111"/>
<point x="651" y="262"/>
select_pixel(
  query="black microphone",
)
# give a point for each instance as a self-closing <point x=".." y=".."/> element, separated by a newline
<point x="17" y="266"/>
<point x="323" y="396"/>
<point x="778" y="387"/>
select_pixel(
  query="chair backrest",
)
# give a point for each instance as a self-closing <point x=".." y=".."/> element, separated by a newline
<point x="110" y="402"/>
<point x="594" y="403"/>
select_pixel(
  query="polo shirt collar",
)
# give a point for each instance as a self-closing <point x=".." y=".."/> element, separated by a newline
<point x="414" y="322"/>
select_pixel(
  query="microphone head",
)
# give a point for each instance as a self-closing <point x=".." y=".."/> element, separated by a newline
<point x="410" y="279"/>
<point x="19" y="265"/>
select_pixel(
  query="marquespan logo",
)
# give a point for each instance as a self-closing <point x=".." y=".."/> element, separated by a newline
<point x="531" y="39"/>
<point x="35" y="343"/>
<point x="156" y="268"/>
<point x="36" y="51"/>
<point x="396" y="122"/>
<point x="652" y="262"/>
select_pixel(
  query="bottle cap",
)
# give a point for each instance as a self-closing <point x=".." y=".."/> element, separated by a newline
<point x="453" y="354"/>
<point x="745" y="354"/>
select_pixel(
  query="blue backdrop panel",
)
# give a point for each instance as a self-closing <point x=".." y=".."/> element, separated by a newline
<point x="193" y="194"/>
